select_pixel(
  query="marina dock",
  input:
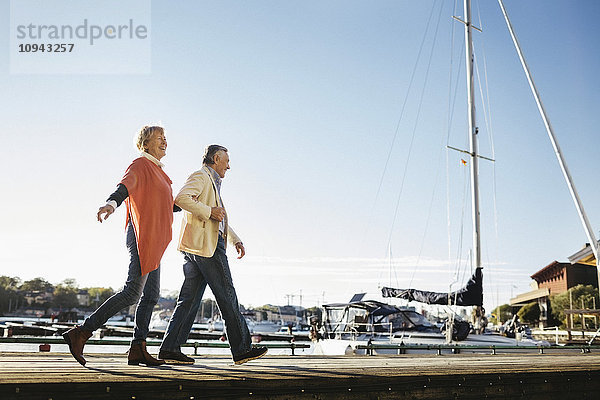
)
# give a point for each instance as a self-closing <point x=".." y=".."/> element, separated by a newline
<point x="564" y="374"/>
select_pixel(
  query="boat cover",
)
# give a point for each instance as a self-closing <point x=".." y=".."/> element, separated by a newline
<point x="470" y="295"/>
<point x="373" y="307"/>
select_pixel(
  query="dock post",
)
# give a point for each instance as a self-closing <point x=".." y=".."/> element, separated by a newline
<point x="582" y="324"/>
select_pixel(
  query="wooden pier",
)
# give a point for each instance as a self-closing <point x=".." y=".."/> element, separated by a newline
<point x="564" y="375"/>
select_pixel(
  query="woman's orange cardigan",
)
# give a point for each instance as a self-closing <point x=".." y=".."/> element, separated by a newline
<point x="150" y="210"/>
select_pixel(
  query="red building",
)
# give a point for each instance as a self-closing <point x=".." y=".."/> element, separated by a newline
<point x="555" y="278"/>
<point x="559" y="277"/>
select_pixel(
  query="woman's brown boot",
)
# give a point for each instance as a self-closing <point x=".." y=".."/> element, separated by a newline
<point x="139" y="355"/>
<point x="76" y="338"/>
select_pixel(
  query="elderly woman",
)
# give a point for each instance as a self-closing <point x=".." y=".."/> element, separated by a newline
<point x="146" y="190"/>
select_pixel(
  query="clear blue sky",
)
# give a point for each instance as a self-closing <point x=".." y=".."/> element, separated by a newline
<point x="307" y="96"/>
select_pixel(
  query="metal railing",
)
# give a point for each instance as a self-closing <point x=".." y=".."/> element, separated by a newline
<point x="556" y="332"/>
<point x="115" y="342"/>
<point x="457" y="349"/>
<point x="353" y="328"/>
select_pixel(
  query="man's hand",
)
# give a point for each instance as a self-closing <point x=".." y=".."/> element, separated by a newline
<point x="239" y="246"/>
<point x="107" y="209"/>
<point x="217" y="213"/>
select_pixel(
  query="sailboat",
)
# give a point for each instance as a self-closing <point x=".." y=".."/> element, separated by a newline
<point x="348" y="327"/>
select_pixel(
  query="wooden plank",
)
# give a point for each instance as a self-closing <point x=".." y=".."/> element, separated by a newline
<point x="55" y="375"/>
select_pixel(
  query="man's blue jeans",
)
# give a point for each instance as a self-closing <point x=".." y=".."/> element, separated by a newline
<point x="214" y="271"/>
<point x="146" y="286"/>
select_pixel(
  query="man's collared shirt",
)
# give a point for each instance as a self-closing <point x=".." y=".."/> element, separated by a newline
<point x="218" y="181"/>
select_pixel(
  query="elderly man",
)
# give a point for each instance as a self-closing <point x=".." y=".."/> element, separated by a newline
<point x="204" y="235"/>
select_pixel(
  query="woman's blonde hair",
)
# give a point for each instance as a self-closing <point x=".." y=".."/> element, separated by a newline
<point x="146" y="133"/>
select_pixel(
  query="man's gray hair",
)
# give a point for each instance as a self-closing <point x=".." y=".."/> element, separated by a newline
<point x="210" y="151"/>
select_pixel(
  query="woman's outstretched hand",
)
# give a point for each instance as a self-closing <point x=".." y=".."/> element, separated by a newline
<point x="107" y="209"/>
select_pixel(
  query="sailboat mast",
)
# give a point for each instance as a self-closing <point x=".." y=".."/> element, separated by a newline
<point x="472" y="136"/>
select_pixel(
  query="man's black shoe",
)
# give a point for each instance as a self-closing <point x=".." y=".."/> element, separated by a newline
<point x="174" y="357"/>
<point x="253" y="354"/>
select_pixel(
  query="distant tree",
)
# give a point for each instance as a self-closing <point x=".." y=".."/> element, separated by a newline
<point x="171" y="295"/>
<point x="552" y="320"/>
<point x="10" y="297"/>
<point x="36" y="285"/>
<point x="262" y="311"/>
<point x="259" y="315"/>
<point x="207" y="308"/>
<point x="268" y="307"/>
<point x="316" y="311"/>
<point x="501" y="314"/>
<point x="70" y="283"/>
<point x="65" y="294"/>
<point x="99" y="295"/>
<point x="579" y="293"/>
<point x="10" y="283"/>
<point x="529" y="313"/>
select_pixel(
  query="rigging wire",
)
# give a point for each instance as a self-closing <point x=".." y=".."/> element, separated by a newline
<point x="448" y="127"/>
<point x="486" y="113"/>
<point x="396" y="131"/>
<point x="451" y="107"/>
<point x="486" y="106"/>
<point x="451" y="112"/>
<point x="466" y="188"/>
<point x="436" y="180"/>
<point x="415" y="129"/>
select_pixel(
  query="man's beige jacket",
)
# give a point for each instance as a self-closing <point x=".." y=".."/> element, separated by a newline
<point x="199" y="233"/>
